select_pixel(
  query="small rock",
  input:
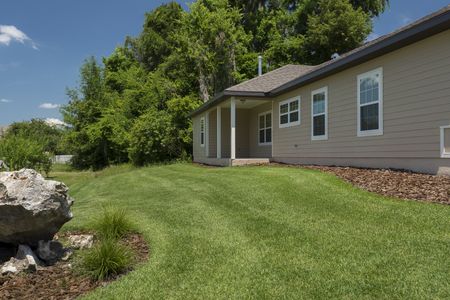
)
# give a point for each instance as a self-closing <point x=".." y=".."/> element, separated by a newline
<point x="50" y="251"/>
<point x="81" y="241"/>
<point x="24" y="252"/>
<point x="67" y="254"/>
<point x="14" y="266"/>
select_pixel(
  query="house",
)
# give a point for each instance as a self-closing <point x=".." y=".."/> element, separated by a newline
<point x="383" y="105"/>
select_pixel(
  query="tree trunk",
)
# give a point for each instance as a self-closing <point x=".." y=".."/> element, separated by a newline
<point x="203" y="84"/>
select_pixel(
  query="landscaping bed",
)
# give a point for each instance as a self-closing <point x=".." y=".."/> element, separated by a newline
<point x="62" y="281"/>
<point x="395" y="183"/>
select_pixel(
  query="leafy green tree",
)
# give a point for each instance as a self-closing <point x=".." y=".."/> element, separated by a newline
<point x="49" y="137"/>
<point x="86" y="106"/>
<point x="153" y="139"/>
<point x="336" y="28"/>
<point x="156" y="42"/>
<point x="179" y="108"/>
<point x="214" y="40"/>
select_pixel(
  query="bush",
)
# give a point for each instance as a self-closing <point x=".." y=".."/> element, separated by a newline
<point x="153" y="138"/>
<point x="106" y="259"/>
<point x="113" y="224"/>
<point x="19" y="152"/>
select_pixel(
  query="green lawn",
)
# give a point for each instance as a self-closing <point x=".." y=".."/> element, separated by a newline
<point x="268" y="232"/>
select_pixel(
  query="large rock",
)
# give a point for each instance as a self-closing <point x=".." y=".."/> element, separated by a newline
<point x="31" y="208"/>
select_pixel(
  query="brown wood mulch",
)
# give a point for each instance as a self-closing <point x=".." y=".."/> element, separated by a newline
<point x="395" y="183"/>
<point x="60" y="281"/>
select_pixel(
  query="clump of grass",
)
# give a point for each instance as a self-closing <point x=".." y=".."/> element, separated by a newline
<point x="106" y="259"/>
<point x="113" y="224"/>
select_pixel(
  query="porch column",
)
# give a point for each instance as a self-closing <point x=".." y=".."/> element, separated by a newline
<point x="219" y="132"/>
<point x="233" y="128"/>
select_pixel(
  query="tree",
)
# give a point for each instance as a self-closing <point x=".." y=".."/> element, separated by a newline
<point x="86" y="106"/>
<point x="49" y="137"/>
<point x="335" y="27"/>
<point x="155" y="43"/>
<point x="214" y="40"/>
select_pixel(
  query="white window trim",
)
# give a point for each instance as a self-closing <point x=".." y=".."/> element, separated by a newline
<point x="271" y="127"/>
<point x="444" y="154"/>
<point x="202" y="120"/>
<point x="289" y="123"/>
<point x="324" y="136"/>
<point x="373" y="132"/>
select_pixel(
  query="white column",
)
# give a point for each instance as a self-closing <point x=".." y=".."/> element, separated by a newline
<point x="207" y="134"/>
<point x="219" y="132"/>
<point x="233" y="128"/>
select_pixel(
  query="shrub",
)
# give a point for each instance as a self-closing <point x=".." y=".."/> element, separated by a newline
<point x="153" y="138"/>
<point x="113" y="224"/>
<point x="106" y="259"/>
<point x="20" y="152"/>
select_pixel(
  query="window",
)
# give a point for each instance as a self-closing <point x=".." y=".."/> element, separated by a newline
<point x="370" y="103"/>
<point x="265" y="128"/>
<point x="319" y="114"/>
<point x="445" y="141"/>
<point x="202" y="132"/>
<point x="290" y="112"/>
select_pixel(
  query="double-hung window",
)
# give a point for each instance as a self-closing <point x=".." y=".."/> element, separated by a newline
<point x="265" y="128"/>
<point x="290" y="112"/>
<point x="319" y="113"/>
<point x="202" y="131"/>
<point x="445" y="141"/>
<point x="370" y="103"/>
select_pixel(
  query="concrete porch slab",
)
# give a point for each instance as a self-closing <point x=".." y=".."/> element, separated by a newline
<point x="226" y="162"/>
<point x="249" y="161"/>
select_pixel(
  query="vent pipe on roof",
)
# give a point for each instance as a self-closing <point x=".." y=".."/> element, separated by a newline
<point x="260" y="65"/>
<point x="335" y="56"/>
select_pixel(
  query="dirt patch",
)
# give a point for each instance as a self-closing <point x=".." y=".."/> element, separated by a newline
<point x="394" y="183"/>
<point x="60" y="281"/>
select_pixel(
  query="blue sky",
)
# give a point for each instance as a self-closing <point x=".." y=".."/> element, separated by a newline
<point x="43" y="44"/>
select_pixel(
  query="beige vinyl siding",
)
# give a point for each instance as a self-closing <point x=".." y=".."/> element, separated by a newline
<point x="416" y="102"/>
<point x="256" y="150"/>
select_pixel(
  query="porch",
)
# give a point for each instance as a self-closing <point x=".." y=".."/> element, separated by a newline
<point x="237" y="132"/>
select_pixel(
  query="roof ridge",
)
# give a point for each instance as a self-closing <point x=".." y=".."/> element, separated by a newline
<point x="264" y="75"/>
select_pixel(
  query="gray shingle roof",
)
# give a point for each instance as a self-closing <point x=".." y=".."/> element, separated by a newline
<point x="271" y="80"/>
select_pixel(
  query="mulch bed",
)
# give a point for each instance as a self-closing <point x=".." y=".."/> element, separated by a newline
<point x="395" y="183"/>
<point x="60" y="281"/>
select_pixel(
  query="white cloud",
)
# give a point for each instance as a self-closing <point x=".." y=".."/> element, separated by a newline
<point x="55" y="122"/>
<point x="10" y="33"/>
<point x="48" y="105"/>
<point x="5" y="100"/>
